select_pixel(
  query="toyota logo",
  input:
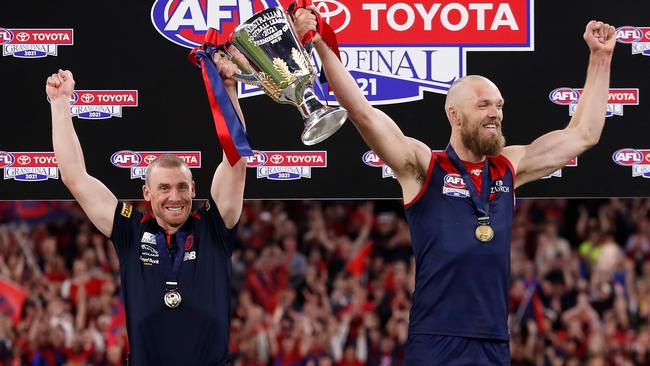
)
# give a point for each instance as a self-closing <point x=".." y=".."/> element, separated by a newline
<point x="24" y="160"/>
<point x="330" y="9"/>
<point x="87" y="98"/>
<point x="276" y="159"/>
<point x="22" y="36"/>
<point x="149" y="158"/>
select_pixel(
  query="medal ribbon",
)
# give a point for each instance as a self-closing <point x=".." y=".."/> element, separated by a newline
<point x="481" y="203"/>
<point x="171" y="266"/>
<point x="231" y="133"/>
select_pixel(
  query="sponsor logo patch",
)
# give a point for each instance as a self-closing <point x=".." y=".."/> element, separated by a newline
<point x="127" y="210"/>
<point x="499" y="187"/>
<point x="148" y="250"/>
<point x="454" y="186"/>
<point x="189" y="256"/>
<point x="148" y="238"/>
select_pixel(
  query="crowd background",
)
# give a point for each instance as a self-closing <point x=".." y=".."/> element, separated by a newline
<point x="330" y="283"/>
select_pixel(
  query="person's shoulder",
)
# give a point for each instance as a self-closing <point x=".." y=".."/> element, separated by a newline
<point x="502" y="162"/>
<point x="513" y="154"/>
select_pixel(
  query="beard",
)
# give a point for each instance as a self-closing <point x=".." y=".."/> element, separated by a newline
<point x="489" y="145"/>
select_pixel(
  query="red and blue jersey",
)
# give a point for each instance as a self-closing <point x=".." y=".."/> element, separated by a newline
<point x="461" y="285"/>
<point x="196" y="332"/>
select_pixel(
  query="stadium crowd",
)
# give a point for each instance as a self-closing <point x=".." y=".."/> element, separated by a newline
<point x="329" y="283"/>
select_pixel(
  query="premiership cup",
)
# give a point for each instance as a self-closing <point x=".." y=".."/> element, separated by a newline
<point x="278" y="64"/>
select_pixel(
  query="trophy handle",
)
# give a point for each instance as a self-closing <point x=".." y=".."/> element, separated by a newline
<point x="245" y="75"/>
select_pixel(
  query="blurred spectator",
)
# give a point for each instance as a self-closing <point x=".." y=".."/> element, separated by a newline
<point x="330" y="283"/>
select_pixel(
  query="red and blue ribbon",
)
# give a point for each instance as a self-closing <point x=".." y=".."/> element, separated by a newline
<point x="230" y="130"/>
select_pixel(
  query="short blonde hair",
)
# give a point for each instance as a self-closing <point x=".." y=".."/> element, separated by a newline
<point x="166" y="161"/>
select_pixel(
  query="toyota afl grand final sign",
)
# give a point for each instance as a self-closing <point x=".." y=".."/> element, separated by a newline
<point x="34" y="43"/>
<point x="395" y="49"/>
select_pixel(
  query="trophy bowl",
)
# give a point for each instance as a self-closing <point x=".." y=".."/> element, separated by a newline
<point x="276" y="62"/>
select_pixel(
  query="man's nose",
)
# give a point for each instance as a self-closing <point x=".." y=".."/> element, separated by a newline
<point x="174" y="195"/>
<point x="493" y="111"/>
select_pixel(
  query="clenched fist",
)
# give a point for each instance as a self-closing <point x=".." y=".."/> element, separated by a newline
<point x="600" y="37"/>
<point x="229" y="63"/>
<point x="305" y="21"/>
<point x="60" y="85"/>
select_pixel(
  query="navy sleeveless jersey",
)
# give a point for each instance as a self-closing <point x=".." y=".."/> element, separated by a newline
<point x="461" y="284"/>
<point x="195" y="333"/>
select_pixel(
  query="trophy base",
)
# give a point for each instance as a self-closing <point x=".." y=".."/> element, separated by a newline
<point x="322" y="124"/>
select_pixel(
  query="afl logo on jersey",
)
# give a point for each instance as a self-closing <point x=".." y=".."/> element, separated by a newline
<point x="454" y="186"/>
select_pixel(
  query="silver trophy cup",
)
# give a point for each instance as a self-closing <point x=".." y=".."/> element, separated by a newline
<point x="276" y="62"/>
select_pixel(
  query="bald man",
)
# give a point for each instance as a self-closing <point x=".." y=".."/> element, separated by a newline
<point x="460" y="203"/>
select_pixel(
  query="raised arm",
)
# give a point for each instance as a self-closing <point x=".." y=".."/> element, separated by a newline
<point x="227" y="188"/>
<point x="93" y="196"/>
<point x="409" y="158"/>
<point x="554" y="149"/>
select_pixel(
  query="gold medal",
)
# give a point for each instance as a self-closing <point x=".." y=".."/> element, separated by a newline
<point x="172" y="299"/>
<point x="484" y="233"/>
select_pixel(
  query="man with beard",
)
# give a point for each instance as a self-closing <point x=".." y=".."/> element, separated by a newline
<point x="174" y="264"/>
<point x="460" y="203"/>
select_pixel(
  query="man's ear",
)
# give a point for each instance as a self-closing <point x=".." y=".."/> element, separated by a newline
<point x="453" y="116"/>
<point x="146" y="193"/>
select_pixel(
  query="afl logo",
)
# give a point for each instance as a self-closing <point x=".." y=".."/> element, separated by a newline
<point x="74" y="98"/>
<point x="6" y="36"/>
<point x="628" y="34"/>
<point x="185" y="22"/>
<point x="126" y="159"/>
<point x="6" y="159"/>
<point x="259" y="158"/>
<point x="371" y="159"/>
<point x="627" y="157"/>
<point x="564" y="96"/>
<point x="454" y="181"/>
